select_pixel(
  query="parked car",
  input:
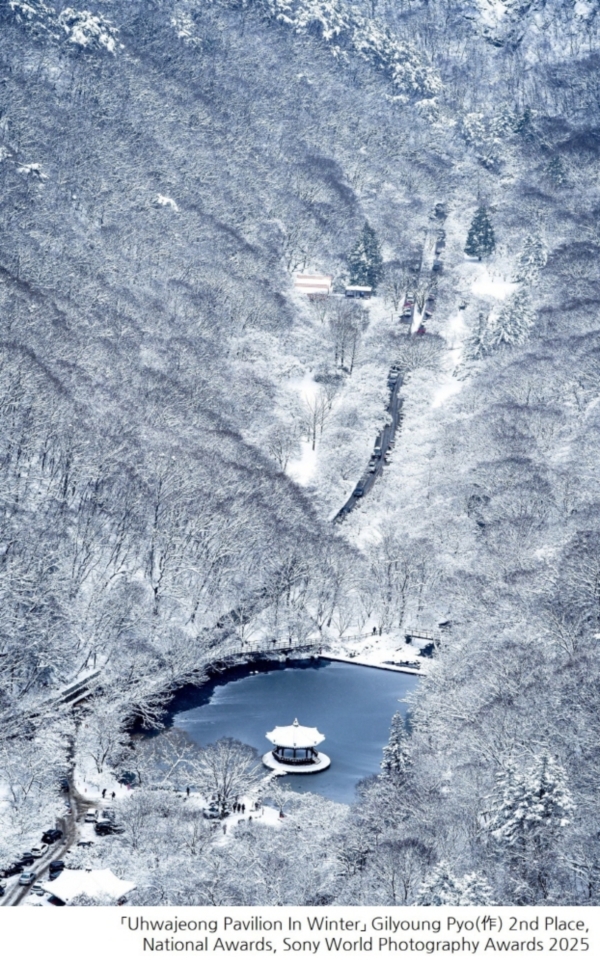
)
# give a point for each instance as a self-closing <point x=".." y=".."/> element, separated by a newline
<point x="27" y="859"/>
<point x="437" y="266"/>
<point x="39" y="851"/>
<point x="26" y="878"/>
<point x="91" y="815"/>
<point x="15" y="868"/>
<point x="359" y="491"/>
<point x="38" y="890"/>
<point x="51" y="836"/>
<point x="64" y="785"/>
<point x="55" y="869"/>
<point x="105" y="823"/>
<point x="105" y="827"/>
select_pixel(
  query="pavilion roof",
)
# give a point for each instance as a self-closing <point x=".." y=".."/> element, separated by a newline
<point x="296" y="736"/>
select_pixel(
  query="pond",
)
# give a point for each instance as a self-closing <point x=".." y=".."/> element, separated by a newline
<point x="351" y="705"/>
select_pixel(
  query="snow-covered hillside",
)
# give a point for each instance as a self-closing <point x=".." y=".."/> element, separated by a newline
<point x="182" y="423"/>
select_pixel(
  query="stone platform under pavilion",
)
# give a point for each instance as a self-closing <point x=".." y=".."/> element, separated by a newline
<point x="295" y="750"/>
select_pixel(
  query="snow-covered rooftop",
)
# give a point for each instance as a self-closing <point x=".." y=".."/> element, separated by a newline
<point x="295" y="736"/>
<point x="94" y="883"/>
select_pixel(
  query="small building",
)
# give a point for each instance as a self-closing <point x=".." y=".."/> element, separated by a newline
<point x="92" y="883"/>
<point x="358" y="291"/>
<point x="314" y="285"/>
<point x="295" y="749"/>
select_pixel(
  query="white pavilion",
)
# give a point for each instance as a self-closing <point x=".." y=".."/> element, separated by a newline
<point x="295" y="749"/>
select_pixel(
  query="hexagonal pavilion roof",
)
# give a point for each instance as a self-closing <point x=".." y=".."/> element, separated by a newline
<point x="295" y="736"/>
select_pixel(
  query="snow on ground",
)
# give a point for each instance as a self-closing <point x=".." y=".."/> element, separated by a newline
<point x="90" y="784"/>
<point x="166" y="202"/>
<point x="303" y="469"/>
<point x="487" y="285"/>
<point x="268" y="816"/>
<point x="456" y="331"/>
<point x="385" y="651"/>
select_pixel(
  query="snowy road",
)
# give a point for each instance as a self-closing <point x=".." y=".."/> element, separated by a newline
<point x="385" y="440"/>
<point x="15" y="893"/>
<point x="386" y="437"/>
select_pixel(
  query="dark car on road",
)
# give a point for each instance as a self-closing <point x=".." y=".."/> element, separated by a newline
<point x="106" y="823"/>
<point x="359" y="491"/>
<point x="55" y="869"/>
<point x="11" y="869"/>
<point x="27" y="859"/>
<point x="51" y="836"/>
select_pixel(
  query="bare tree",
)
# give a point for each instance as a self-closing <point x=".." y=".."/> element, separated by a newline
<point x="224" y="771"/>
<point x="314" y="414"/>
<point x="282" y="444"/>
<point x="396" y="280"/>
<point x="422" y="292"/>
<point x="347" y="323"/>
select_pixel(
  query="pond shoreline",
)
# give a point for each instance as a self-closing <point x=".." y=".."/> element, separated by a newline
<point x="353" y="708"/>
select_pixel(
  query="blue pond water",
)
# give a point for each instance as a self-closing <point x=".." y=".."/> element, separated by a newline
<point x="351" y="705"/>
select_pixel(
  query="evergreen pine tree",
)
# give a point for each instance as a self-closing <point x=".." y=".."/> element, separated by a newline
<point x="531" y="260"/>
<point x="365" y="261"/>
<point x="396" y="755"/>
<point x="530" y="806"/>
<point x="480" y="239"/>
<point x="442" y="887"/>
<point x="511" y="326"/>
<point x="530" y="809"/>
<point x="475" y="345"/>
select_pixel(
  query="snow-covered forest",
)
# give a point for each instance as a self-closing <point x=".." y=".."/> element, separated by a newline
<point x="180" y="426"/>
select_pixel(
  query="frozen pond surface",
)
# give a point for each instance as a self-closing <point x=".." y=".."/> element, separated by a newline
<point x="351" y="705"/>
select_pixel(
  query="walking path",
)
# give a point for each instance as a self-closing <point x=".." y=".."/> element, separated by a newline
<point x="374" y="662"/>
